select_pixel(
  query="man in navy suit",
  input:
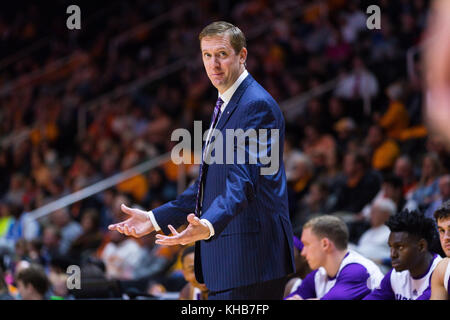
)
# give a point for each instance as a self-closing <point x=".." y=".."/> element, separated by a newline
<point x="237" y="213"/>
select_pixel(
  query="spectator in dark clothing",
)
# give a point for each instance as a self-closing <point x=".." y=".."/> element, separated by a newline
<point x="359" y="186"/>
<point x="91" y="238"/>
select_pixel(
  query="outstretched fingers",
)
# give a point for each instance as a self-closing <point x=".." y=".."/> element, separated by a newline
<point x="173" y="230"/>
<point x="126" y="209"/>
<point x="116" y="226"/>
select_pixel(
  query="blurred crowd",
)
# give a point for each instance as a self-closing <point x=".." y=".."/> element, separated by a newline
<point x="360" y="151"/>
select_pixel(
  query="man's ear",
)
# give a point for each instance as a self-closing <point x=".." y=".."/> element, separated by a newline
<point x="423" y="245"/>
<point x="243" y="55"/>
<point x="325" y="243"/>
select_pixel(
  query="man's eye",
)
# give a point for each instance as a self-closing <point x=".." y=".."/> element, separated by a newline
<point x="207" y="55"/>
<point x="223" y="53"/>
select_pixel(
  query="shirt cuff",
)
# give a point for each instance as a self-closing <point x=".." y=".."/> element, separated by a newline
<point x="151" y="216"/>
<point x="210" y="226"/>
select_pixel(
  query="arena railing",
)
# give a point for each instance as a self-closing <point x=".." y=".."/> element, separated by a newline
<point x="97" y="187"/>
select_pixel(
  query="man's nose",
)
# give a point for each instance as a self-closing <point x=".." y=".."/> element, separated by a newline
<point x="303" y="252"/>
<point x="447" y="235"/>
<point x="215" y="62"/>
<point x="394" y="253"/>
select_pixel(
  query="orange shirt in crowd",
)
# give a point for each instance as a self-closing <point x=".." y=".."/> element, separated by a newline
<point x="385" y="155"/>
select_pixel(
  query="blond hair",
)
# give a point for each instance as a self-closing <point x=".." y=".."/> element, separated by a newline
<point x="330" y="227"/>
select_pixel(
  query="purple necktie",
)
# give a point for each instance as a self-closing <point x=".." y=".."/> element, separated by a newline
<point x="204" y="166"/>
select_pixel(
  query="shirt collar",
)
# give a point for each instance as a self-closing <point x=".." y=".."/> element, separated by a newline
<point x="226" y="96"/>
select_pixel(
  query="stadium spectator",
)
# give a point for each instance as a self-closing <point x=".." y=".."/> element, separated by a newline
<point x="384" y="150"/>
<point x="444" y="195"/>
<point x="359" y="186"/>
<point x="69" y="229"/>
<point x="360" y="83"/>
<point x="121" y="256"/>
<point x="396" y="118"/>
<point x="404" y="169"/>
<point x="192" y="290"/>
<point x="32" y="283"/>
<point x="90" y="239"/>
<point x="318" y="146"/>
<point x="51" y="241"/>
<point x="373" y="243"/>
<point x="300" y="178"/>
<point x="316" y="201"/>
<point x="154" y="259"/>
<point x="428" y="187"/>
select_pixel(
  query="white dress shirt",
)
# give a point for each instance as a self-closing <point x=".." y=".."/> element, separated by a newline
<point x="226" y="97"/>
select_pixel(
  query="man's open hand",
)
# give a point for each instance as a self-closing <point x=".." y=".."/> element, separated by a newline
<point x="195" y="231"/>
<point x="138" y="225"/>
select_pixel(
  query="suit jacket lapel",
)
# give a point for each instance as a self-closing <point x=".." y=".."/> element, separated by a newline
<point x="234" y="102"/>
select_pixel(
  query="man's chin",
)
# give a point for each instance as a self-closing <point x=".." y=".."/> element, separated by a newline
<point x="399" y="268"/>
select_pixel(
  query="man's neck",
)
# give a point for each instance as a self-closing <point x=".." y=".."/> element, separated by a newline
<point x="334" y="261"/>
<point x="422" y="266"/>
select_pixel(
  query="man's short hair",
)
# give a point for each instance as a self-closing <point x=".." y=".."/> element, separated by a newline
<point x="414" y="223"/>
<point x="330" y="227"/>
<point x="34" y="275"/>
<point x="237" y="37"/>
<point x="443" y="212"/>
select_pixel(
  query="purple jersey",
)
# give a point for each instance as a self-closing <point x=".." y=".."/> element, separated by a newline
<point x="402" y="286"/>
<point x="357" y="276"/>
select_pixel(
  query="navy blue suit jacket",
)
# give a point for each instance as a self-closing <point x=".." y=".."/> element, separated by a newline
<point x="248" y="210"/>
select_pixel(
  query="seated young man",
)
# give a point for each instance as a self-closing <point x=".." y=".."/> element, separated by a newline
<point x="339" y="273"/>
<point x="440" y="281"/>
<point x="32" y="283"/>
<point x="413" y="263"/>
<point x="192" y="290"/>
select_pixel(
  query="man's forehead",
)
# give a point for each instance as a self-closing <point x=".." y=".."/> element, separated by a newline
<point x="215" y="42"/>
<point x="308" y="235"/>
<point x="444" y="223"/>
<point x="401" y="236"/>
